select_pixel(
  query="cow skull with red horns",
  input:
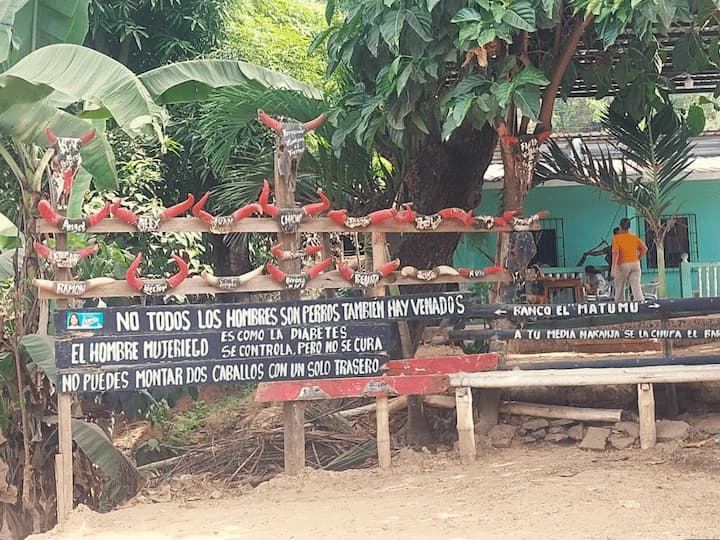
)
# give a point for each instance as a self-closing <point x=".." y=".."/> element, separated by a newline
<point x="158" y="285"/>
<point x="223" y="224"/>
<point x="64" y="164"/>
<point x="290" y="218"/>
<point x="290" y="144"/>
<point x="64" y="258"/>
<point x="367" y="280"/>
<point x="78" y="225"/>
<point x="151" y="222"/>
<point x="297" y="281"/>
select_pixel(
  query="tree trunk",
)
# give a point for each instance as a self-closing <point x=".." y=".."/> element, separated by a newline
<point x="660" y="258"/>
<point x="445" y="175"/>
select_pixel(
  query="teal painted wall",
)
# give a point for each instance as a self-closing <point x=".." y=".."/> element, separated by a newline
<point x="589" y="215"/>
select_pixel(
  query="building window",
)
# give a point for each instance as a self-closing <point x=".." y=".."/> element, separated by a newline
<point x="550" y="242"/>
<point x="681" y="238"/>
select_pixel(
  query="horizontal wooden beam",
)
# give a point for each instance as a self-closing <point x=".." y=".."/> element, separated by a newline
<point x="587" y="376"/>
<point x="270" y="225"/>
<point x="348" y="388"/>
<point x="326" y="280"/>
<point x="442" y="365"/>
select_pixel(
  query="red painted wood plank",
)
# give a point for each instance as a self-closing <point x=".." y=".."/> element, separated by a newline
<point x="354" y="387"/>
<point x="443" y="365"/>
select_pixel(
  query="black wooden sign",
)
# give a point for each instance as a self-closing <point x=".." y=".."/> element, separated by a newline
<point x="591" y="334"/>
<point x="293" y="135"/>
<point x="567" y="311"/>
<point x="234" y="371"/>
<point x="89" y="351"/>
<point x="218" y="317"/>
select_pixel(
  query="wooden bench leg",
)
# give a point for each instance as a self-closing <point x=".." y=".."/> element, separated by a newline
<point x="646" y="412"/>
<point x="382" y="419"/>
<point x="294" y="436"/>
<point x="465" y="424"/>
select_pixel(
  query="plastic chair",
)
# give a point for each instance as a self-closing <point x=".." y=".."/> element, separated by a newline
<point x="650" y="290"/>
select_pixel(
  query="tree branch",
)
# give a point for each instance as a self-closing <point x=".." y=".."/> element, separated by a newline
<point x="561" y="63"/>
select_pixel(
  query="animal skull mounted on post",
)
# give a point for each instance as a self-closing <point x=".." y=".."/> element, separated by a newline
<point x="290" y="144"/>
<point x="367" y="280"/>
<point x="223" y="224"/>
<point x="64" y="165"/>
<point x="64" y="258"/>
<point x="65" y="224"/>
<point x="229" y="283"/>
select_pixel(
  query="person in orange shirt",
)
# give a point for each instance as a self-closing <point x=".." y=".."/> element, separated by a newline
<point x="627" y="250"/>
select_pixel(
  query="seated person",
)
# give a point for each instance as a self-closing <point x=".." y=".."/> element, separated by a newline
<point x="595" y="282"/>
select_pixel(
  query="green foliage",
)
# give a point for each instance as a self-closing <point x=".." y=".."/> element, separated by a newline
<point x="144" y="34"/>
<point x="26" y="25"/>
<point x="277" y="34"/>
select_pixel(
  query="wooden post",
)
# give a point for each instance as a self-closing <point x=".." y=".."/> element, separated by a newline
<point x="382" y="416"/>
<point x="465" y="427"/>
<point x="294" y="436"/>
<point x="293" y="411"/>
<point x="382" y="420"/>
<point x="646" y="412"/>
<point x="64" y="482"/>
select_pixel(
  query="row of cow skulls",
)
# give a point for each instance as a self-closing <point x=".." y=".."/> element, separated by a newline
<point x="289" y="219"/>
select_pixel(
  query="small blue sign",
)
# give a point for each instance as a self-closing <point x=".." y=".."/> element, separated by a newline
<point x="79" y="320"/>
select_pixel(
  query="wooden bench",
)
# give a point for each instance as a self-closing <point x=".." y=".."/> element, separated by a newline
<point x="644" y="377"/>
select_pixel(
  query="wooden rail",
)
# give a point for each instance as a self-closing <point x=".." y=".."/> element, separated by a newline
<point x="270" y="225"/>
<point x="327" y="280"/>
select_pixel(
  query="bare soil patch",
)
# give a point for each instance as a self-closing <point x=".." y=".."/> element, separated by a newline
<point x="559" y="492"/>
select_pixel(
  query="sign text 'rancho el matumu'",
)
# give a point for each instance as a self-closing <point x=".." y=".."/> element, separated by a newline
<point x="122" y="349"/>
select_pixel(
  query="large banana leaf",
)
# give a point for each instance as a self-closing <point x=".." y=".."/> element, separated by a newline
<point x="8" y="233"/>
<point x="27" y="25"/>
<point x="41" y="350"/>
<point x="123" y="479"/>
<point x="68" y="74"/>
<point x="194" y="80"/>
<point x="27" y="123"/>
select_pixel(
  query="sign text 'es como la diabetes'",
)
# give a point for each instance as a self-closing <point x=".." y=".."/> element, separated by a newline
<point x="189" y="318"/>
<point x="90" y="351"/>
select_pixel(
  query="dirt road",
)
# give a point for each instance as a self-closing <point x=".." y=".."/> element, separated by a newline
<point x="512" y="493"/>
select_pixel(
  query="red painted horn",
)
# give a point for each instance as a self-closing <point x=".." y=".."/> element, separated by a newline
<point x="314" y="124"/>
<point x="87" y="251"/>
<point x="131" y="275"/>
<point x="312" y="250"/>
<point x="382" y="215"/>
<point x="121" y="213"/>
<point x="315" y="208"/>
<point x="177" y="279"/>
<point x="88" y="136"/>
<point x="51" y="137"/>
<point x="275" y="272"/>
<point x="247" y="211"/>
<point x="458" y="214"/>
<point x="42" y="250"/>
<point x="494" y="269"/>
<point x="543" y="135"/>
<point x="199" y="212"/>
<point x="338" y="216"/>
<point x="270" y="209"/>
<point x="276" y="251"/>
<point x="510" y="139"/>
<point x="388" y="267"/>
<point x="97" y="217"/>
<point x="500" y="222"/>
<point x="345" y="271"/>
<point x="46" y="211"/>
<point x="179" y="208"/>
<point x="269" y="121"/>
<point x="319" y="267"/>
<point x="406" y="215"/>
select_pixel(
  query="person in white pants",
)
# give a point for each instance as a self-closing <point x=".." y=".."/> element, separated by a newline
<point x="627" y="250"/>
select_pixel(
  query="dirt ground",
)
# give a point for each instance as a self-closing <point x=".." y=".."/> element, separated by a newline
<point x="555" y="492"/>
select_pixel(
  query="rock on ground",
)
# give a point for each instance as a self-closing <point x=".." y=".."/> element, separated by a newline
<point x="631" y="428"/>
<point x="595" y="439"/>
<point x="576" y="432"/>
<point x="535" y="424"/>
<point x="668" y="430"/>
<point x="621" y="442"/>
<point x="501" y="435"/>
